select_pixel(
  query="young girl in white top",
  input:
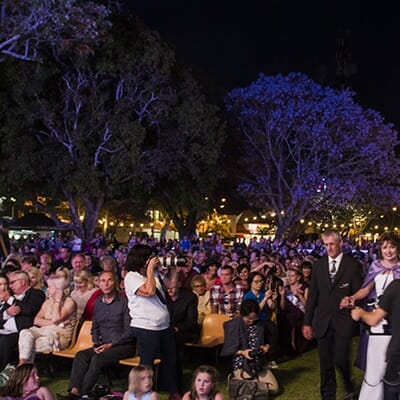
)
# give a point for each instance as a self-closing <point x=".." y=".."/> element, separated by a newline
<point x="140" y="384"/>
<point x="204" y="385"/>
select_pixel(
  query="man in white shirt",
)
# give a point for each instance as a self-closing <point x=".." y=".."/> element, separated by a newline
<point x="18" y="314"/>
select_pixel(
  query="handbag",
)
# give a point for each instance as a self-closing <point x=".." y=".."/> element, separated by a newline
<point x="247" y="389"/>
<point x="6" y="373"/>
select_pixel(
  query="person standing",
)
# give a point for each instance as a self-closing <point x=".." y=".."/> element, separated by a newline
<point x="335" y="276"/>
<point x="374" y="340"/>
<point x="389" y="306"/>
<point x="150" y="317"/>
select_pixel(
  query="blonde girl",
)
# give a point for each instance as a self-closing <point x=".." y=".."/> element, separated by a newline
<point x="140" y="384"/>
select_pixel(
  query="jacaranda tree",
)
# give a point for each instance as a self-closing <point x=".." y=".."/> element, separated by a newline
<point x="305" y="145"/>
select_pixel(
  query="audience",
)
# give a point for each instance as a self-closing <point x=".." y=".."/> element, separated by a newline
<point x="204" y="385"/>
<point x="242" y="278"/>
<point x="111" y="336"/>
<point x="140" y="386"/>
<point x="203" y="297"/>
<point x="226" y="297"/>
<point x="23" y="306"/>
<point x="186" y="273"/>
<point x="27" y="262"/>
<point x="243" y="335"/>
<point x="284" y="269"/>
<point x="210" y="274"/>
<point x="36" y="278"/>
<point x="24" y="384"/>
<point x="53" y="324"/>
<point x="182" y="307"/>
<point x="83" y="291"/>
<point x="291" y="316"/>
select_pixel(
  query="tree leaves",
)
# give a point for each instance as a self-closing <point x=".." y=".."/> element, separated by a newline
<point x="297" y="134"/>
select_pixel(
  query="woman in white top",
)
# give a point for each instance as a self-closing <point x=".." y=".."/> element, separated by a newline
<point x="373" y="343"/>
<point x="149" y="314"/>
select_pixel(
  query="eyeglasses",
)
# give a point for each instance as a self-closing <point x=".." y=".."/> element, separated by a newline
<point x="15" y="280"/>
<point x="198" y="286"/>
<point x="258" y="281"/>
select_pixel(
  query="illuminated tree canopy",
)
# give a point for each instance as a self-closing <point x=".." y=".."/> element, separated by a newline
<point x="94" y="127"/>
<point x="304" y="144"/>
<point x="31" y="26"/>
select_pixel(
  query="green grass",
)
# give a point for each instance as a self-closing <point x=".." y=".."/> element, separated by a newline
<point x="297" y="376"/>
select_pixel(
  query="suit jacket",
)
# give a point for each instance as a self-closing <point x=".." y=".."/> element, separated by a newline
<point x="322" y="307"/>
<point x="183" y="314"/>
<point x="3" y="307"/>
<point x="236" y="338"/>
<point x="30" y="306"/>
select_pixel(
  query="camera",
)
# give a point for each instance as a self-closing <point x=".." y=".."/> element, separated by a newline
<point x="176" y="261"/>
<point x="256" y="353"/>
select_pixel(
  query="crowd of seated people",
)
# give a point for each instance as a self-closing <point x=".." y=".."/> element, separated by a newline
<point x="275" y="274"/>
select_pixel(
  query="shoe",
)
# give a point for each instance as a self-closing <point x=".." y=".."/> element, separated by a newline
<point x="273" y="365"/>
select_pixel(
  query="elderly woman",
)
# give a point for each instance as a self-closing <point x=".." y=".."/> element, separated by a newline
<point x="84" y="290"/>
<point x="54" y="323"/>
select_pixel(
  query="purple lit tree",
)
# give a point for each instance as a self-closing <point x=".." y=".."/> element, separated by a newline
<point x="305" y="145"/>
<point x="27" y="26"/>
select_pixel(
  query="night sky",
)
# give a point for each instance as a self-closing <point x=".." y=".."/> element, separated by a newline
<point x="228" y="43"/>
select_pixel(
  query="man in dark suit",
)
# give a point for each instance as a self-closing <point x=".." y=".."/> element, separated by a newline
<point x="182" y="307"/>
<point x="22" y="308"/>
<point x="334" y="276"/>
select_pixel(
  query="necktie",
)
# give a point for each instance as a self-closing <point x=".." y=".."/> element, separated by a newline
<point x="332" y="270"/>
<point x="333" y="267"/>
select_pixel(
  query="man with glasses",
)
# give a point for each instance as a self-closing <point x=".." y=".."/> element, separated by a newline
<point x="22" y="308"/>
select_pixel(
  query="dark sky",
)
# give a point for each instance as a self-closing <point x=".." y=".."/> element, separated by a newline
<point x="231" y="42"/>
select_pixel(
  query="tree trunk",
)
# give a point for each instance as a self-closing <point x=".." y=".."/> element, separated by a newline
<point x="293" y="231"/>
<point x="186" y="226"/>
<point x="92" y="210"/>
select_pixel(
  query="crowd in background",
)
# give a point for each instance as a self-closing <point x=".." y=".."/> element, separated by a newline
<point x="200" y="276"/>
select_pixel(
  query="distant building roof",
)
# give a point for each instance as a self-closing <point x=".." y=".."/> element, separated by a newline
<point x="33" y="220"/>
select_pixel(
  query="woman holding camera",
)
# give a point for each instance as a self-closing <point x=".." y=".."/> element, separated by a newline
<point x="149" y="315"/>
<point x="374" y="342"/>
<point x="246" y="339"/>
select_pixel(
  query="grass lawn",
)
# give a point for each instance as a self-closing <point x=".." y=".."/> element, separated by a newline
<point x="298" y="376"/>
